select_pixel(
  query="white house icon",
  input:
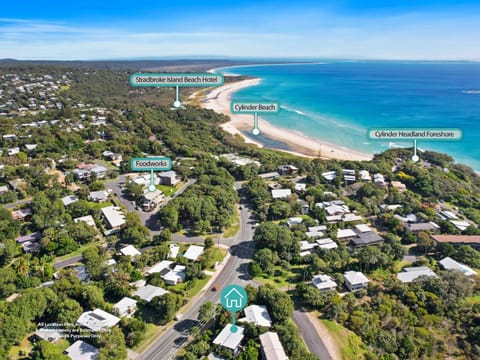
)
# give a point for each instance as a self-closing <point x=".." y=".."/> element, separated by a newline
<point x="233" y="299"/>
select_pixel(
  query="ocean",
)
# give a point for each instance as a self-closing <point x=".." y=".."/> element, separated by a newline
<point x="338" y="101"/>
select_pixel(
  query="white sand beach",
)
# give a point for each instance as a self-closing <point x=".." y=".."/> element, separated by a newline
<point x="218" y="99"/>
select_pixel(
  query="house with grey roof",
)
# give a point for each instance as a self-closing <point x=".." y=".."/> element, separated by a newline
<point x="410" y="274"/>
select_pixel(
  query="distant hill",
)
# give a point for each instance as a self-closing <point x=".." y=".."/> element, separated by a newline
<point x="171" y="65"/>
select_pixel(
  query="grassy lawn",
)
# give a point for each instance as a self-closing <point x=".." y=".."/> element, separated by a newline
<point x="234" y="228"/>
<point x="473" y="299"/>
<point x="78" y="252"/>
<point x="169" y="190"/>
<point x="283" y="277"/>
<point x="350" y="344"/>
<point x="150" y="330"/>
<point x="21" y="351"/>
<point x="199" y="284"/>
<point x="100" y="205"/>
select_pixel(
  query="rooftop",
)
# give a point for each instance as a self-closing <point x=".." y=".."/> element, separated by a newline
<point x="148" y="292"/>
<point x="97" y="319"/>
<point x="80" y="350"/>
<point x="227" y="338"/>
<point x="355" y="277"/>
<point x="323" y="282"/>
<point x="450" y="264"/>
<point x="114" y="216"/>
<point x="193" y="252"/>
<point x="410" y="274"/>
<point x="130" y="250"/>
<point x="281" y="193"/>
<point x="272" y="347"/>
<point x="457" y="239"/>
<point x="258" y="315"/>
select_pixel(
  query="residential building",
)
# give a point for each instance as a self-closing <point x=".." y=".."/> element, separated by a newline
<point x="324" y="282"/>
<point x="270" y="176"/>
<point x="399" y="186"/>
<point x="69" y="199"/>
<point x="97" y="320"/>
<point x="460" y="224"/>
<point x="148" y="292"/>
<point x="193" y="252"/>
<point x="417" y="227"/>
<point x="326" y="244"/>
<point x="285" y="170"/>
<point x="300" y="187"/>
<point x="175" y="276"/>
<point x="125" y="307"/>
<point x="98" y="196"/>
<point x="450" y="264"/>
<point x="174" y="249"/>
<point x="366" y="239"/>
<point x="472" y="240"/>
<point x="88" y="219"/>
<point x="294" y="221"/>
<point x="355" y="280"/>
<point x="230" y="340"/>
<point x="130" y="250"/>
<point x="329" y="175"/>
<point x="365" y="175"/>
<point x="114" y="218"/>
<point x="257" y="315"/>
<point x="162" y="267"/>
<point x="346" y="234"/>
<point x="272" y="348"/>
<point x="80" y="350"/>
<point x="410" y="274"/>
<point x="22" y="214"/>
<point x="281" y="193"/>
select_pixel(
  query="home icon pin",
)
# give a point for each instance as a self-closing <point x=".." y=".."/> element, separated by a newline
<point x="233" y="298"/>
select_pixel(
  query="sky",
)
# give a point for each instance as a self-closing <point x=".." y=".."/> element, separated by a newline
<point x="350" y="29"/>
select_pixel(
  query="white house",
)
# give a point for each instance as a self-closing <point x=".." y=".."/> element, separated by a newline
<point x="161" y="267"/>
<point x="80" y="350"/>
<point x="324" y="282"/>
<point x="125" y="307"/>
<point x="130" y="250"/>
<point x="174" y="249"/>
<point x="449" y="264"/>
<point x="87" y="219"/>
<point x="148" y="292"/>
<point x="97" y="320"/>
<point x="343" y="234"/>
<point x="410" y="274"/>
<point x="230" y="340"/>
<point x="114" y="218"/>
<point x="98" y="196"/>
<point x="355" y="280"/>
<point x="294" y="221"/>
<point x="70" y="199"/>
<point x="272" y="348"/>
<point x="257" y="315"/>
<point x="193" y="252"/>
<point x="175" y="276"/>
<point x="281" y="193"/>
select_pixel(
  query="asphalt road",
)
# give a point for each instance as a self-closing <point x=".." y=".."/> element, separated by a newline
<point x="310" y="335"/>
<point x="233" y="272"/>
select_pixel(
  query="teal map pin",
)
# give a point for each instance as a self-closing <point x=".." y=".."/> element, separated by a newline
<point x="233" y="298"/>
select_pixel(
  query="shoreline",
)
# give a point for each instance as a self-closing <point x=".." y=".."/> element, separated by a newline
<point x="218" y="100"/>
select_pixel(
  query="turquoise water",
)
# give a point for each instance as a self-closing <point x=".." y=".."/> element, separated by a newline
<point x="338" y="101"/>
